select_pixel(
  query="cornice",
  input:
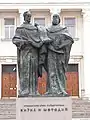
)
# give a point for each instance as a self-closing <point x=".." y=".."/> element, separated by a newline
<point x="42" y="5"/>
<point x="6" y="58"/>
<point x="49" y="3"/>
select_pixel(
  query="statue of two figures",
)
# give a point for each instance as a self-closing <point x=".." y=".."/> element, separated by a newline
<point x="42" y="50"/>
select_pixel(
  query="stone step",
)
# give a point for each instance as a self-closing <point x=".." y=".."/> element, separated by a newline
<point x="7" y="109"/>
<point x="80" y="109"/>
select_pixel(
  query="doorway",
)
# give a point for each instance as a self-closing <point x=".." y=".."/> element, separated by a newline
<point x="72" y="81"/>
<point x="9" y="80"/>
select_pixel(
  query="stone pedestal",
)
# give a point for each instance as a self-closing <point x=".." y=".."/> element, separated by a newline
<point x="44" y="108"/>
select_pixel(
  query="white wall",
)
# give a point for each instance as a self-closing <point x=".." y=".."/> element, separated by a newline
<point x="8" y="49"/>
<point x="35" y="1"/>
<point x="77" y="46"/>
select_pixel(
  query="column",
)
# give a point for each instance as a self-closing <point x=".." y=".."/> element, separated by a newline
<point x="86" y="45"/>
<point x="0" y="27"/>
<point x="21" y="11"/>
<point x="0" y="81"/>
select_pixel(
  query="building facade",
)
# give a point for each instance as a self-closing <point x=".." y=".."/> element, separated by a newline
<point x="74" y="15"/>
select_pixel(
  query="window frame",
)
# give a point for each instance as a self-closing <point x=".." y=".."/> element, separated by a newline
<point x="63" y="22"/>
<point x="9" y="26"/>
<point x="39" y="18"/>
<point x="3" y="31"/>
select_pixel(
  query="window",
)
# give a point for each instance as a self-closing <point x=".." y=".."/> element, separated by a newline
<point x="72" y="68"/>
<point x="40" y="21"/>
<point x="9" y="68"/>
<point x="9" y="27"/>
<point x="70" y="24"/>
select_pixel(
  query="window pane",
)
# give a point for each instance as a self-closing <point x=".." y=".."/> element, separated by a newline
<point x="8" y="68"/>
<point x="69" y="21"/>
<point x="6" y="32"/>
<point x="72" y="68"/>
<point x="40" y="21"/>
<point x="71" y="29"/>
<point x="9" y="21"/>
<point x="11" y="31"/>
<point x="70" y="24"/>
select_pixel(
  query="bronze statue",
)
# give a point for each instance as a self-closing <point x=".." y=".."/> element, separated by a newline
<point x="28" y="40"/>
<point x="41" y="49"/>
<point x="58" y="57"/>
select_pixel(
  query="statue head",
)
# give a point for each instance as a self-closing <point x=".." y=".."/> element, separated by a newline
<point x="56" y="19"/>
<point x="27" y="16"/>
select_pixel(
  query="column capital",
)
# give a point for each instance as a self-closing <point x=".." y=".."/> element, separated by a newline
<point x="86" y="14"/>
<point x="86" y="44"/>
<point x="21" y="11"/>
<point x="55" y="11"/>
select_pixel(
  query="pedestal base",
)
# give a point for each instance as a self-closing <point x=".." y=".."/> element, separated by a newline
<point x="44" y="108"/>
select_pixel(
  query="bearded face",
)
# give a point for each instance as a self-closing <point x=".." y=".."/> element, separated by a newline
<point x="56" y="20"/>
